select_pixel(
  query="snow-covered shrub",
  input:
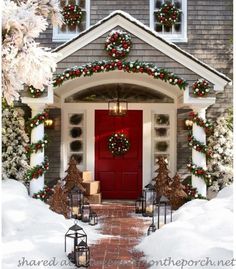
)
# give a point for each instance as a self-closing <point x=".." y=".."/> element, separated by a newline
<point x="14" y="142"/>
<point x="23" y="61"/>
<point x="221" y="143"/>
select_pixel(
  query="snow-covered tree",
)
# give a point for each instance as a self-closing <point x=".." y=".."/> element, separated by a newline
<point x="14" y="142"/>
<point x="23" y="61"/>
<point x="221" y="142"/>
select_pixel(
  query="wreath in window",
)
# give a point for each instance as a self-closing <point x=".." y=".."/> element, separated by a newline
<point x="168" y="14"/>
<point x="118" y="144"/>
<point x="72" y="15"/>
<point x="118" y="44"/>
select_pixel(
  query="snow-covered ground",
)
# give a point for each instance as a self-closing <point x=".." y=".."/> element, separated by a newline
<point x="201" y="233"/>
<point x="33" y="232"/>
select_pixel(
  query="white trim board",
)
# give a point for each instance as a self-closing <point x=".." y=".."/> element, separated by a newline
<point x="138" y="29"/>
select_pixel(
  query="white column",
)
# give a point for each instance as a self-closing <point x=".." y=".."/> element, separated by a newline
<point x="199" y="158"/>
<point x="37" y="134"/>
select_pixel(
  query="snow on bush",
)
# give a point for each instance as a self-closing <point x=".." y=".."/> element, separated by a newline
<point x="201" y="231"/>
<point x="33" y="231"/>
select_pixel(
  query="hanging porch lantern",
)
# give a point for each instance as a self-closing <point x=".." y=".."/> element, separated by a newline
<point x="82" y="255"/>
<point x="117" y="107"/>
<point x="76" y="199"/>
<point x="162" y="212"/>
<point x="75" y="234"/>
<point x="149" y="195"/>
<point x="139" y="205"/>
<point x="93" y="219"/>
<point x="86" y="210"/>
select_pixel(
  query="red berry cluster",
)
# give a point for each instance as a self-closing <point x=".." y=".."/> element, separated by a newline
<point x="198" y="146"/>
<point x="200" y="88"/>
<point x="131" y="67"/>
<point x="35" y="93"/>
<point x="205" y="124"/>
<point x="37" y="120"/>
<point x="200" y="172"/>
<point x="38" y="170"/>
<point x="44" y="194"/>
<point x="168" y="14"/>
<point x="35" y="147"/>
<point x="118" y="44"/>
<point x="72" y="15"/>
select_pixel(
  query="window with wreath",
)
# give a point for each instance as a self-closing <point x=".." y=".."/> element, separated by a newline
<point x="76" y="14"/>
<point x="169" y="19"/>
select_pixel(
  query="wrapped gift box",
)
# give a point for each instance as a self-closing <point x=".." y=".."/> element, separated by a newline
<point x="95" y="198"/>
<point x="92" y="187"/>
<point x="87" y="176"/>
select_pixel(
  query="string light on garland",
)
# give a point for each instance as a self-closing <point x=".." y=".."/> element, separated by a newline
<point x="44" y="194"/>
<point x="39" y="146"/>
<point x="130" y="67"/>
<point x="205" y="124"/>
<point x="200" y="88"/>
<point x="200" y="172"/>
<point x="118" y="44"/>
<point x="118" y="144"/>
<point x="37" y="120"/>
<point x="198" y="146"/>
<point x="168" y="14"/>
<point x="192" y="193"/>
<point x="72" y="15"/>
<point x="38" y="170"/>
<point x="35" y="93"/>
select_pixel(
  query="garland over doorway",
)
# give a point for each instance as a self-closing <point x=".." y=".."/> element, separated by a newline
<point x="126" y="66"/>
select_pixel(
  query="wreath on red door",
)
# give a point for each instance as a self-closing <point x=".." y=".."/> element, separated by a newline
<point x="118" y="144"/>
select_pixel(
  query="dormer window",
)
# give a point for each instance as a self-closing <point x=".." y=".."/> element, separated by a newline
<point x="176" y="32"/>
<point x="66" y="32"/>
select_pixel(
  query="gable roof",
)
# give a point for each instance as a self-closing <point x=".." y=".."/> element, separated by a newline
<point x="145" y="33"/>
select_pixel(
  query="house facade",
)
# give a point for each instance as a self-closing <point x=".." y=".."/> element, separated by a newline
<point x="155" y="79"/>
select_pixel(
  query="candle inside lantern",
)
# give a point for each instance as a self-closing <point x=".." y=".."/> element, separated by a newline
<point x="149" y="209"/>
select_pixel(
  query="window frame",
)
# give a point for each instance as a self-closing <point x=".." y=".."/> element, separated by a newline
<point x="63" y="37"/>
<point x="182" y="37"/>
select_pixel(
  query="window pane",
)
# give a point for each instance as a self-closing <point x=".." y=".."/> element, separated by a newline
<point x="177" y="27"/>
<point x="158" y="4"/>
<point x="81" y="3"/>
<point x="178" y="4"/>
<point x="158" y="28"/>
<point x="72" y="2"/>
<point x="167" y="29"/>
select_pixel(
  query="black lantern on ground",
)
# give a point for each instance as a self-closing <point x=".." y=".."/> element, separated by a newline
<point x="76" y="235"/>
<point x="152" y="228"/>
<point x="76" y="199"/>
<point x="93" y="219"/>
<point x="86" y="210"/>
<point x="149" y="194"/>
<point x="162" y="212"/>
<point x="139" y="205"/>
<point x="82" y="255"/>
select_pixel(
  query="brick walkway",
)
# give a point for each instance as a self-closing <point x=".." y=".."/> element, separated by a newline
<point x="126" y="230"/>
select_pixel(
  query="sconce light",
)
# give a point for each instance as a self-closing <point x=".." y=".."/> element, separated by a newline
<point x="49" y="124"/>
<point x="188" y="124"/>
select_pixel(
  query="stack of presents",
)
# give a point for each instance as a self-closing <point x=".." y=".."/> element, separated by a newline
<point x="92" y="188"/>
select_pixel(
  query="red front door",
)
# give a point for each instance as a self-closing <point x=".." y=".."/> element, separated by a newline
<point x="120" y="176"/>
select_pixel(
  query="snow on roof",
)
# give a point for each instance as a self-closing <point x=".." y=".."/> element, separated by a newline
<point x="147" y="29"/>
